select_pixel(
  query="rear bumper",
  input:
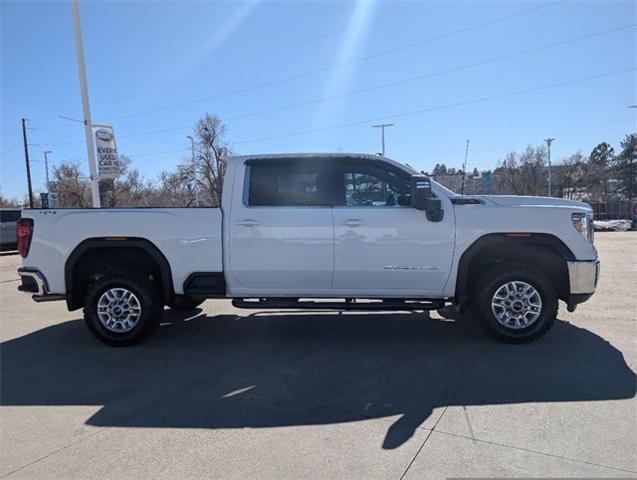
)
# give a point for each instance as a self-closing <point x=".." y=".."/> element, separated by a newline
<point x="32" y="281"/>
<point x="583" y="277"/>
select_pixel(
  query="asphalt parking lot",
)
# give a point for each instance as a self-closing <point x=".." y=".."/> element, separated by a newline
<point x="235" y="393"/>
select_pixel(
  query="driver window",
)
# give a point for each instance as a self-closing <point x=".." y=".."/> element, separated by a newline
<point x="375" y="187"/>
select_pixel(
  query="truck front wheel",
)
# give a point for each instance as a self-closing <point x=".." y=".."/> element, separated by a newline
<point x="516" y="302"/>
<point x="122" y="308"/>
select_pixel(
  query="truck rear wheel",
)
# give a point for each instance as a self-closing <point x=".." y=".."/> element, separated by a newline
<point x="516" y="302"/>
<point x="122" y="308"/>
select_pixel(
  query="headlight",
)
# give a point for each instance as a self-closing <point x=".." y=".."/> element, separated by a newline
<point x="583" y="223"/>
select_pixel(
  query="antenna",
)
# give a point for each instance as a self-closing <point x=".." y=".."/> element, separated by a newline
<point x="464" y="167"/>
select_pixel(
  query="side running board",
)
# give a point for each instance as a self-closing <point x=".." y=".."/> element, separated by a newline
<point x="344" y="304"/>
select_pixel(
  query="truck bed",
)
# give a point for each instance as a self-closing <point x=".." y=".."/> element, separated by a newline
<point x="189" y="238"/>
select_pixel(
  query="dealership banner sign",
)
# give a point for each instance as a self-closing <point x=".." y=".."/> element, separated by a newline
<point x="107" y="160"/>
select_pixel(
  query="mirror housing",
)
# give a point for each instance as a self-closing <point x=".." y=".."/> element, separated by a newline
<point x="422" y="198"/>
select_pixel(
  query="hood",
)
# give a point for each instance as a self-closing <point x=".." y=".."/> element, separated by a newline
<point x="523" y="201"/>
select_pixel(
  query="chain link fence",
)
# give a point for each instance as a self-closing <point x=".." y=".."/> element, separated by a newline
<point x="614" y="209"/>
<point x="487" y="184"/>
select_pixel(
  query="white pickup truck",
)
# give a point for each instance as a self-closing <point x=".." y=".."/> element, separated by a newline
<point x="319" y="231"/>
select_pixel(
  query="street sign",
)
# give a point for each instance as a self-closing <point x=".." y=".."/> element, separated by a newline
<point x="53" y="200"/>
<point x="44" y="199"/>
<point x="108" y="164"/>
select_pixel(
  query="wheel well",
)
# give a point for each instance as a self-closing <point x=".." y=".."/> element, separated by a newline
<point x="546" y="253"/>
<point x="94" y="258"/>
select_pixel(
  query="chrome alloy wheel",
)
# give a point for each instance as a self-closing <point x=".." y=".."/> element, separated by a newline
<point x="516" y="305"/>
<point x="119" y="310"/>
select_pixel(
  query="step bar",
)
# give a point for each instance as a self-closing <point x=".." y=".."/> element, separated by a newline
<point x="344" y="304"/>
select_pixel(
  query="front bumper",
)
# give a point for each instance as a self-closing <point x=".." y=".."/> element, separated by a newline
<point x="583" y="277"/>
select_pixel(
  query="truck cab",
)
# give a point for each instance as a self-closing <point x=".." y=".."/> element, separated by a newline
<point x="333" y="227"/>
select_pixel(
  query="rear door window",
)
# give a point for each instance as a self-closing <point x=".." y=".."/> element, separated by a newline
<point x="9" y="215"/>
<point x="290" y="183"/>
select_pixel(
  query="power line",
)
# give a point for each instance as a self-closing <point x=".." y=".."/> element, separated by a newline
<point x="429" y="75"/>
<point x="6" y="171"/>
<point x="58" y="126"/>
<point x="12" y="147"/>
<point x="5" y="179"/>
<point x="401" y="114"/>
<point x="165" y="152"/>
<point x="246" y="61"/>
<point x="431" y="109"/>
<point x="414" y="112"/>
<point x="381" y="86"/>
<point x="338" y="65"/>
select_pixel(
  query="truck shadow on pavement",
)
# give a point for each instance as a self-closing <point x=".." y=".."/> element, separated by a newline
<point x="275" y="370"/>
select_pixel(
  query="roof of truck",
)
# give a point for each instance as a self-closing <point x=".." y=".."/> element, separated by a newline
<point x="318" y="156"/>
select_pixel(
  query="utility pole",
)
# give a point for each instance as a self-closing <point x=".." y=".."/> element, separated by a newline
<point x="631" y="172"/>
<point x="46" y="167"/>
<point x="194" y="170"/>
<point x="464" y="167"/>
<point x="79" y="52"/>
<point x="26" y="158"/>
<point x="548" y="141"/>
<point x="382" y="127"/>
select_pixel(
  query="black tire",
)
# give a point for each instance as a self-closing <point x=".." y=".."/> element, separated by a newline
<point x="492" y="280"/>
<point x="149" y="298"/>
<point x="184" y="303"/>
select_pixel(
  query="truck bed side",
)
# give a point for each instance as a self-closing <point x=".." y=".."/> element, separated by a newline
<point x="189" y="238"/>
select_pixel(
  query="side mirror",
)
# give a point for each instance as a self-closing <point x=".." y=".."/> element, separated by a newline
<point x="422" y="198"/>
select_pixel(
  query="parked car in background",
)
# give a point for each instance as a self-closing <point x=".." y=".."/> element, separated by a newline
<point x="8" y="221"/>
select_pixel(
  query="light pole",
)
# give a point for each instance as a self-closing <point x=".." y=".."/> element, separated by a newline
<point x="79" y="52"/>
<point x="382" y="127"/>
<point x="46" y="167"/>
<point x="548" y="141"/>
<point x="194" y="170"/>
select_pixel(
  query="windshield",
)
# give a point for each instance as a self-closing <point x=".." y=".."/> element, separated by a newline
<point x="449" y="193"/>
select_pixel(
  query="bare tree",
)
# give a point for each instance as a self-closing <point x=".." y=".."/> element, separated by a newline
<point x="211" y="151"/>
<point x="569" y="177"/>
<point x="71" y="186"/>
<point x="172" y="190"/>
<point x="9" y="202"/>
<point x="522" y="174"/>
<point x="624" y="166"/>
<point x="598" y="171"/>
<point x="129" y="189"/>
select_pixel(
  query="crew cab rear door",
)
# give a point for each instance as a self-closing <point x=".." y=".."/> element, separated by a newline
<point x="384" y="246"/>
<point x="281" y="235"/>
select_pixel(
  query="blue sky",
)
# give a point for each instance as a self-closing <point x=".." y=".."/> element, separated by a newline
<point x="236" y="59"/>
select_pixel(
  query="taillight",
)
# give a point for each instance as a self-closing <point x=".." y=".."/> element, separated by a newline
<point x="24" y="232"/>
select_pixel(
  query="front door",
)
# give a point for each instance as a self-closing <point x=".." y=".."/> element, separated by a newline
<point x="383" y="246"/>
<point x="281" y="236"/>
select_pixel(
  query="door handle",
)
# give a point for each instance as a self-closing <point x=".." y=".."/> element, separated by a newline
<point x="352" y="222"/>
<point x="247" y="222"/>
